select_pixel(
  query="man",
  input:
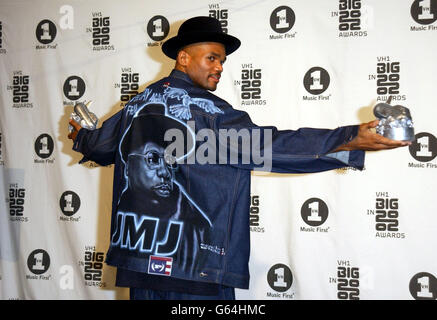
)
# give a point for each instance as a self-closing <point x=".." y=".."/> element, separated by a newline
<point x="214" y="223"/>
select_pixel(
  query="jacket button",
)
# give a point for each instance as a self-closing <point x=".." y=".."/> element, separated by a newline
<point x="203" y="274"/>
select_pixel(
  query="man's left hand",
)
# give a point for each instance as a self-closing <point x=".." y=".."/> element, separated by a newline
<point x="368" y="140"/>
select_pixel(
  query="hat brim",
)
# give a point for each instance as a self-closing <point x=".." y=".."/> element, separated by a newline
<point x="172" y="46"/>
<point x="151" y="125"/>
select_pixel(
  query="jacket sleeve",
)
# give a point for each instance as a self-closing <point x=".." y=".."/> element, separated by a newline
<point x="266" y="148"/>
<point x="99" y="145"/>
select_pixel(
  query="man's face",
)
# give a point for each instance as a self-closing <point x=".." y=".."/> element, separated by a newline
<point x="205" y="63"/>
<point x="148" y="172"/>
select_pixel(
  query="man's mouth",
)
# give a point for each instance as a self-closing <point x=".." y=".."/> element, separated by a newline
<point x="163" y="190"/>
<point x="215" y="77"/>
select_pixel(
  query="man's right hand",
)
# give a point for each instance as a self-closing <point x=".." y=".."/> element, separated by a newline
<point x="76" y="127"/>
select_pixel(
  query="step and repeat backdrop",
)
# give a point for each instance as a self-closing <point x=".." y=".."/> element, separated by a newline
<point x="342" y="234"/>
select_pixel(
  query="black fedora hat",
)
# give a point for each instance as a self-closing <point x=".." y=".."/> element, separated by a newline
<point x="199" y="29"/>
<point x="150" y="124"/>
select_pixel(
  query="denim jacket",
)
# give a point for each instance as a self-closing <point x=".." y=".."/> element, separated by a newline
<point x="177" y="215"/>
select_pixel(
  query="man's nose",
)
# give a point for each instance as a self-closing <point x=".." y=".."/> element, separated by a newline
<point x="219" y="67"/>
<point x="163" y="171"/>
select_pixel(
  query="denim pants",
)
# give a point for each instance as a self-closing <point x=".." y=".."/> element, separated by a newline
<point x="225" y="293"/>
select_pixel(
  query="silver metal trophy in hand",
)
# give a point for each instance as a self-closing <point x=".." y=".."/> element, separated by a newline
<point x="83" y="116"/>
<point x="395" y="122"/>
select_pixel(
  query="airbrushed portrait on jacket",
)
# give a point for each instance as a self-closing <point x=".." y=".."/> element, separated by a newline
<point x="155" y="214"/>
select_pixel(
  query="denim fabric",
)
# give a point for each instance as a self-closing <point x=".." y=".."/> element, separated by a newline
<point x="205" y="237"/>
<point x="225" y="293"/>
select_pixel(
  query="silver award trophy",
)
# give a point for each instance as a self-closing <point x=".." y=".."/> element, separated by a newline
<point x="395" y="122"/>
<point x="83" y="116"/>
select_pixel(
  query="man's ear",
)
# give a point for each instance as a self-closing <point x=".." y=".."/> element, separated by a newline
<point x="183" y="58"/>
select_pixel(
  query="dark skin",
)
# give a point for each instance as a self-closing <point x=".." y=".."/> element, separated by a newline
<point x="203" y="62"/>
<point x="76" y="127"/>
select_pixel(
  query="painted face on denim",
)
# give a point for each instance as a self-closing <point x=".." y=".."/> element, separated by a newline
<point x="149" y="171"/>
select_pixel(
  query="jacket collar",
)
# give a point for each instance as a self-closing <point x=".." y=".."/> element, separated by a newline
<point x="180" y="75"/>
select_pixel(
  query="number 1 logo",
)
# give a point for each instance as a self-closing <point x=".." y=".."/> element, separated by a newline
<point x="158" y="28"/>
<point x="69" y="203"/>
<point x="314" y="212"/>
<point x="45" y="31"/>
<point x="74" y="88"/>
<point x="38" y="261"/>
<point x="282" y="19"/>
<point x="424" y="148"/>
<point x="423" y="286"/>
<point x="280" y="277"/>
<point x="44" y="146"/>
<point x="424" y="12"/>
<point x="316" y="80"/>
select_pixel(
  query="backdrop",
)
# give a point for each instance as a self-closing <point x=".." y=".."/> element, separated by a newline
<point x="342" y="234"/>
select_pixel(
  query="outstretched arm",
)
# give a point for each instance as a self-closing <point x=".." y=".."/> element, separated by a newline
<point x="99" y="145"/>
